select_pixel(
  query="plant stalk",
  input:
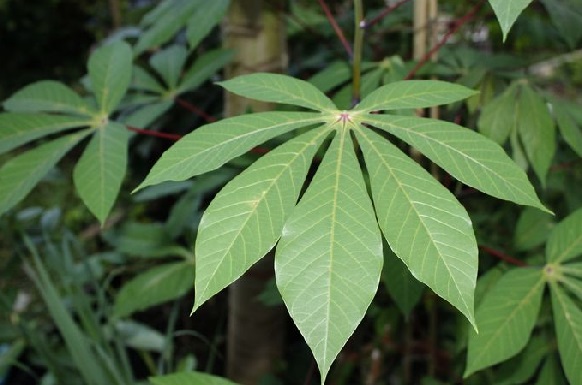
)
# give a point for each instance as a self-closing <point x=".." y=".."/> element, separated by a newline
<point x="357" y="57"/>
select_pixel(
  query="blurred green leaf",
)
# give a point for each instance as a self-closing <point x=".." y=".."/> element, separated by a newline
<point x="565" y="241"/>
<point x="189" y="378"/>
<point x="533" y="227"/>
<point x="507" y="12"/>
<point x="404" y="289"/>
<point x="204" y="20"/>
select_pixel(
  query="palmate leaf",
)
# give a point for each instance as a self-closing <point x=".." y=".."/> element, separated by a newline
<point x="567" y="316"/>
<point x="469" y="157"/>
<point x="212" y="145"/>
<point x="20" y="174"/>
<point x="101" y="169"/>
<point x="203" y="68"/>
<point x="248" y="215"/>
<point x="570" y="127"/>
<point x="423" y="223"/>
<point x="141" y="80"/>
<point x="506" y="318"/>
<point x="408" y="94"/>
<point x="110" y="73"/>
<point x="17" y="128"/>
<point x="498" y="117"/>
<point x="279" y="89"/>
<point x="404" y="289"/>
<point x="329" y="258"/>
<point x="507" y="12"/>
<point x="565" y="241"/>
<point x="47" y="96"/>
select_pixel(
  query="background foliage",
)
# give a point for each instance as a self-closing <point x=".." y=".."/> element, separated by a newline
<point x="113" y="297"/>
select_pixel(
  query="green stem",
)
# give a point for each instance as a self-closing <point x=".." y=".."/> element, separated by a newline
<point x="357" y="58"/>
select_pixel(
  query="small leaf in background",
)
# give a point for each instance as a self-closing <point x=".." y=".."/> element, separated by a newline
<point x="141" y="80"/>
<point x="47" y="96"/>
<point x="331" y="76"/>
<point x="505" y="318"/>
<point x="189" y="378"/>
<point x="281" y="89"/>
<point x="533" y="227"/>
<point x="551" y="373"/>
<point x="248" y="214"/>
<point x="408" y="94"/>
<point x="569" y="122"/>
<point x="329" y="259"/>
<point x="168" y="63"/>
<point x="140" y="336"/>
<point x="101" y="169"/>
<point x="164" y="22"/>
<point x="432" y="233"/>
<point x="567" y="316"/>
<point x="206" y="17"/>
<point x="522" y="368"/>
<point x="153" y="287"/>
<point x="21" y="173"/>
<point x="507" y="12"/>
<point x="404" y="289"/>
<point x="212" y="145"/>
<point x="203" y="68"/>
<point x="565" y="241"/>
<point x="17" y="128"/>
<point x="110" y="73"/>
<point x="567" y="17"/>
<point x="143" y="239"/>
<point x="466" y="155"/>
<point x="536" y="130"/>
<point x="498" y="117"/>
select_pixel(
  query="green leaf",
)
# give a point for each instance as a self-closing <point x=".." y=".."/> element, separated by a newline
<point x="206" y="66"/>
<point x="17" y="128"/>
<point x="246" y="218"/>
<point x="329" y="259"/>
<point x="423" y="223"/>
<point x="169" y="63"/>
<point x="522" y="368"/>
<point x="153" y="287"/>
<point x="567" y="316"/>
<point x="331" y="76"/>
<point x="573" y="285"/>
<point x="567" y="17"/>
<point x="110" y="73"/>
<point x="146" y="115"/>
<point x="565" y="242"/>
<point x="144" y="239"/>
<point x="498" y="117"/>
<point x="165" y="23"/>
<point x="573" y="269"/>
<point x="281" y="89"/>
<point x="570" y="129"/>
<point x="140" y="336"/>
<point x="536" y="130"/>
<point x="189" y="378"/>
<point x="141" y="80"/>
<point x="551" y="373"/>
<point x="408" y="94"/>
<point x="506" y="318"/>
<point x="101" y="169"/>
<point x="466" y="155"/>
<point x="212" y="145"/>
<point x="507" y="12"/>
<point x="49" y="96"/>
<point x="21" y="173"/>
<point x="533" y="227"/>
<point x="404" y="289"/>
<point x="206" y="18"/>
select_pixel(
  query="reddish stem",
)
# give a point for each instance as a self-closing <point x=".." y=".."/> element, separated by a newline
<point x="192" y="108"/>
<point x="504" y="257"/>
<point x="174" y="137"/>
<point x="455" y="26"/>
<point x="336" y="27"/>
<point x="388" y="10"/>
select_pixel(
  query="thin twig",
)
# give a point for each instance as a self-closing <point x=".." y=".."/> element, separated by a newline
<point x="174" y="137"/>
<point x="388" y="10"/>
<point x="357" y="57"/>
<point x="456" y="25"/>
<point x="192" y="108"/>
<point x="336" y="28"/>
<point x="501" y="255"/>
